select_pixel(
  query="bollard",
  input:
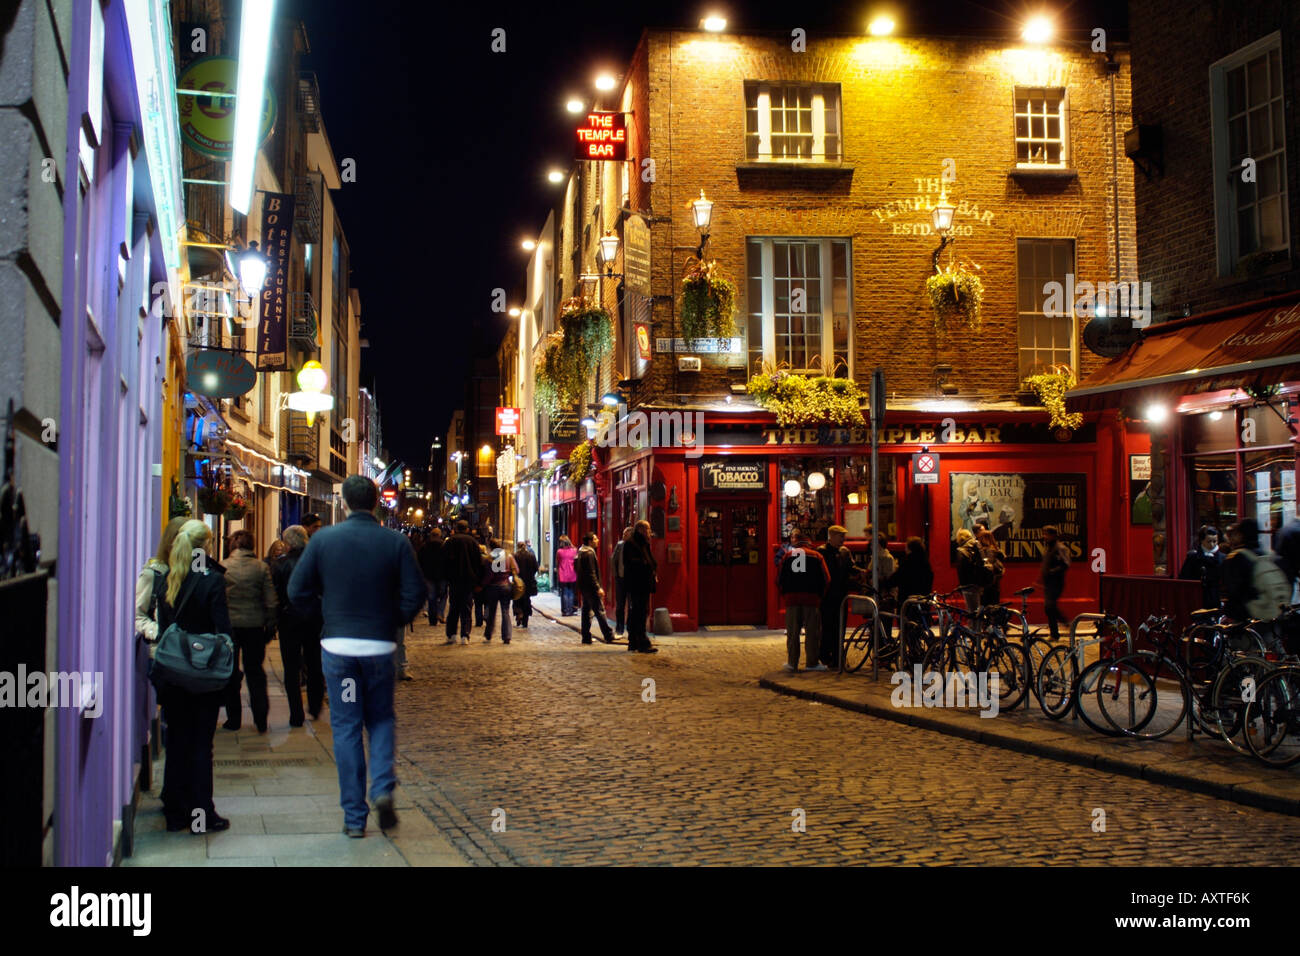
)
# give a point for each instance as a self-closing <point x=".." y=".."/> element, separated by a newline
<point x="663" y="622"/>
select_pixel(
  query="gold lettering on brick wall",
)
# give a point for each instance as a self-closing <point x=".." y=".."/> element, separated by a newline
<point x="913" y="213"/>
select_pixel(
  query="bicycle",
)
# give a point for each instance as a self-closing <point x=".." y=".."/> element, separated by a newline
<point x="967" y="653"/>
<point x="1063" y="687"/>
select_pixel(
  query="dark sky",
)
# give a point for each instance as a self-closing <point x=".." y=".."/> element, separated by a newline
<point x="452" y="141"/>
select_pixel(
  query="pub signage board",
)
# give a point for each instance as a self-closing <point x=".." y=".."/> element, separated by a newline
<point x="744" y="474"/>
<point x="636" y="258"/>
<point x="602" y="136"/>
<point x="218" y="374"/>
<point x="1016" y="506"/>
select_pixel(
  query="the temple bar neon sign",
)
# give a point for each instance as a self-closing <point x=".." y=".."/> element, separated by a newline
<point x="603" y="136"/>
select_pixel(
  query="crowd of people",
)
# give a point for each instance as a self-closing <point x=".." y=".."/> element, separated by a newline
<point x="1251" y="581"/>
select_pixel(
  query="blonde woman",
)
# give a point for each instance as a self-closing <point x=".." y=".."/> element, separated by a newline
<point x="193" y="596"/>
<point x="154" y="573"/>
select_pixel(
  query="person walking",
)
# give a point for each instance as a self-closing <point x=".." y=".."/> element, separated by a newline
<point x="972" y="573"/>
<point x="462" y="565"/>
<point x="527" y="562"/>
<point x="480" y="600"/>
<point x="640" y="573"/>
<point x="587" y="567"/>
<point x="369" y="585"/>
<point x="565" y="555"/>
<point x="430" y="560"/>
<point x="802" y="581"/>
<point x="839" y="568"/>
<point x="1204" y="563"/>
<point x="192" y="595"/>
<point x="994" y="566"/>
<point x="620" y="584"/>
<point x="914" y="576"/>
<point x="1051" y="576"/>
<point x="251" y="600"/>
<point x="498" y="587"/>
<point x="299" y="634"/>
<point x="1255" y="584"/>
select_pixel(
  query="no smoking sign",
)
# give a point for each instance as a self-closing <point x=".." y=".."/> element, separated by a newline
<point x="925" y="468"/>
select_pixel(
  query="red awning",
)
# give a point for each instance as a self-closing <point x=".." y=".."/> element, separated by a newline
<point x="1229" y="348"/>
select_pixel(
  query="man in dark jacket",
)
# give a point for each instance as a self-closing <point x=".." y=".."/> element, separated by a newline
<point x="587" y="566"/>
<point x="430" y="559"/>
<point x="1204" y="563"/>
<point x="803" y="580"/>
<point x="462" y="566"/>
<point x="369" y="586"/>
<point x="1051" y="575"/>
<point x="299" y="634"/>
<point x="1286" y="544"/>
<point x="839" y="567"/>
<point x="527" y="562"/>
<point x="639" y="571"/>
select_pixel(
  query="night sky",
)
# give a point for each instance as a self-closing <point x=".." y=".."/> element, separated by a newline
<point x="452" y="142"/>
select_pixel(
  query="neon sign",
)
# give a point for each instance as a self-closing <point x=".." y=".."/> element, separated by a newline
<point x="602" y="136"/>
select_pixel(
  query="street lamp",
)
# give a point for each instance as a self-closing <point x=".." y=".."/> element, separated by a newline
<point x="253" y="266"/>
<point x="606" y="82"/>
<point x="881" y="25"/>
<point x="608" y="250"/>
<point x="312" y="381"/>
<point x="1037" y="30"/>
<point x="702" y="214"/>
<point x="555" y="176"/>
<point x="714" y="23"/>
<point x="941" y="217"/>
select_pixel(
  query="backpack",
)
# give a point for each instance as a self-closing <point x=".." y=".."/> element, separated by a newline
<point x="1271" y="586"/>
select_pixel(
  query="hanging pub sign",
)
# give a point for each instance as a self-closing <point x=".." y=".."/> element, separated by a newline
<point x="734" y="475"/>
<point x="208" y="122"/>
<point x="636" y="256"/>
<point x="602" y="136"/>
<point x="273" y="303"/>
<point x="508" y="421"/>
<point x="1109" y="337"/>
<point x="218" y="374"/>
<point x="1015" y="507"/>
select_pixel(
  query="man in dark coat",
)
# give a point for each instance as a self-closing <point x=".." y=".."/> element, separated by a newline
<point x="639" y="571"/>
<point x="802" y="582"/>
<point x="593" y="595"/>
<point x="299" y="634"/>
<point x="839" y="565"/>
<point x="462" y="566"/>
<point x="430" y="559"/>
<point x="1204" y="563"/>
<point x="527" y="562"/>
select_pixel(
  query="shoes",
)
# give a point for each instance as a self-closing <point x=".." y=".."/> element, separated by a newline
<point x="817" y="667"/>
<point x="315" y="715"/>
<point x="231" y="725"/>
<point x="609" y="639"/>
<point x="505" y="640"/>
<point x="296" y="721"/>
<point x="261" y="726"/>
<point x="387" y="816"/>
<point x="450" y="640"/>
<point x="618" y="633"/>
<point x="789" y="667"/>
<point x="176" y="826"/>
<point x="464" y="640"/>
<point x="356" y="833"/>
<point x="586" y="640"/>
<point x="217" y="823"/>
<point x="647" y="650"/>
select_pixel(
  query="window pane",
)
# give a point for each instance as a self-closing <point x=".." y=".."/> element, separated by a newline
<point x="1271" y="230"/>
<point x="1204" y="433"/>
<point x="1237" y="140"/>
<point x="1236" y="90"/>
<point x="1268" y="427"/>
<point x="1257" y="80"/>
<point x="1269" y="175"/>
<point x="1260" y="137"/>
<point x="1270" y="490"/>
<point x="1278" y="124"/>
<point x="1246" y="231"/>
<point x="1275" y="73"/>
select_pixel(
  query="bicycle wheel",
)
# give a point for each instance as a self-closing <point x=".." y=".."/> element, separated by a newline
<point x="1054" y="682"/>
<point x="1085" y="697"/>
<point x="1272" y="719"/>
<point x="1132" y="701"/>
<point x="1038" y="649"/>
<point x="1006" y="675"/>
<point x="1233" y="689"/>
<point x="857" y="646"/>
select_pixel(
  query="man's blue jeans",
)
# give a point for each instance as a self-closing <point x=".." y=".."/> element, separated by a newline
<point x="366" y="701"/>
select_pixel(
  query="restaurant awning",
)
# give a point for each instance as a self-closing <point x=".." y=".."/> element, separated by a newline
<point x="1238" y="347"/>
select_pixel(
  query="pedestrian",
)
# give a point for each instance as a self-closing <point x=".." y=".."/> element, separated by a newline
<point x="462" y="565"/>
<point x="430" y="560"/>
<point x="299" y="634"/>
<point x="913" y="577"/>
<point x="498" y="585"/>
<point x="1051" y="576"/>
<point x="252" y="604"/>
<point x="277" y="550"/>
<point x="480" y="599"/>
<point x="527" y="562"/>
<point x="1288" y="549"/>
<point x="972" y="573"/>
<point x="1204" y="563"/>
<point x="565" y="555"/>
<point x="587" y="567"/>
<point x="193" y="596"/>
<point x="154" y="570"/>
<point x="1255" y="586"/>
<point x="620" y="585"/>
<point x="994" y="566"/>
<point x="369" y="585"/>
<point x="839" y="569"/>
<point x="803" y="581"/>
<point x="640" y="571"/>
<point x="881" y="561"/>
<point x="312" y="523"/>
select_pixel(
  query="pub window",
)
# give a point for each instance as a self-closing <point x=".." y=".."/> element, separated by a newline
<point x="1044" y="340"/>
<point x="792" y="122"/>
<point x="798" y="305"/>
<point x="1040" y="126"/>
<point x="1248" y="118"/>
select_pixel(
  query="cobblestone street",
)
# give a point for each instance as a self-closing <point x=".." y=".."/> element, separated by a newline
<point x="554" y="741"/>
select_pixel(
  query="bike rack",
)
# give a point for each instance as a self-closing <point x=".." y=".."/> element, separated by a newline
<point x="1074" y="642"/>
<point x="874" y="612"/>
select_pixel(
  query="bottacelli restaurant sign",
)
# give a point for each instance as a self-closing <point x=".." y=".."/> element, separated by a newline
<point x="911" y="215"/>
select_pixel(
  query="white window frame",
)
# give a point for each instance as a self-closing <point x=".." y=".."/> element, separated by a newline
<point x="1021" y="314"/>
<point x="827" y="303"/>
<point x="764" y="103"/>
<point x="1063" y="115"/>
<point x="1227" y="241"/>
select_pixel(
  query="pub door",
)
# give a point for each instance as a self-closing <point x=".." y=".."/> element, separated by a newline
<point x="732" y="581"/>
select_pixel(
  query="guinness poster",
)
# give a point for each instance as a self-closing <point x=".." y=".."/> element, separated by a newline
<point x="273" y="306"/>
<point x="1015" y="507"/>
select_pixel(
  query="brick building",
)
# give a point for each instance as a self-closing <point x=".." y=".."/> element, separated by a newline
<point x="824" y="166"/>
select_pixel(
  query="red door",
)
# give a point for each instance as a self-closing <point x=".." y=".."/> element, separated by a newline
<point x="732" y="582"/>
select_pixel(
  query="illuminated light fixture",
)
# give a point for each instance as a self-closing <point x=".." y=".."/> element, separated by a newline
<point x="611" y="399"/>
<point x="702" y="211"/>
<point x="312" y="400"/>
<point x="853" y="498"/>
<point x="529" y="245"/>
<point x="881" y="26"/>
<point x="485" y="451"/>
<point x="1157" y="413"/>
<point x="606" y="82"/>
<point x="379" y="464"/>
<point x="608" y="247"/>
<point x="514" y="313"/>
<point x="252" y="265"/>
<point x="256" y="18"/>
<point x="792" y="488"/>
<point x="816" y="481"/>
<point x="714" y="23"/>
<point x="590" y="424"/>
<point x="575" y="105"/>
<point x="1216" y="416"/>
<point x="1037" y="30"/>
<point x="555" y="176"/>
<point x="941" y="216"/>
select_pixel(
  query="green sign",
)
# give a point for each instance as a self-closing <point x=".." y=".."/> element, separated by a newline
<point x="208" y="122"/>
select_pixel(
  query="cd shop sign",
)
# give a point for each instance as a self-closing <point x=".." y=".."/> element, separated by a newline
<point x="746" y="475"/>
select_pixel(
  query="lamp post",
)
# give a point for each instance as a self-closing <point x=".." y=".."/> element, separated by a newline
<point x="941" y="217"/>
<point x="702" y="214"/>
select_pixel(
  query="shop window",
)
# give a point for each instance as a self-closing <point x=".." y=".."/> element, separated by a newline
<point x="1045" y="340"/>
<point x="1214" y="431"/>
<point x="811" y="509"/>
<point x="792" y="122"/>
<point x="1040" y="126"/>
<point x="1248" y="113"/>
<point x="855" y="496"/>
<point x="1214" y="490"/>
<point x="798" y="302"/>
<point x="1270" y="490"/>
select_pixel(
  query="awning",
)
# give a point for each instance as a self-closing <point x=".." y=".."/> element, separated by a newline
<point x="1240" y="347"/>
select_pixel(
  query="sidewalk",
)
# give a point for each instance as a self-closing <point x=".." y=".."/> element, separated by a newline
<point x="1201" y="765"/>
<point x="280" y="791"/>
<point x="548" y="605"/>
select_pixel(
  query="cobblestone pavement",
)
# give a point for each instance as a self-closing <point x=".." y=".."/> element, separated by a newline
<point x="553" y="741"/>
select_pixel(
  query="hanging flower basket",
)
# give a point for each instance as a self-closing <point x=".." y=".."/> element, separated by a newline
<point x="1050" y="387"/>
<point x="807" y="400"/>
<point x="549" y="382"/>
<point x="957" y="297"/>
<point x="237" y="508"/>
<point x="708" y="304"/>
<point x="580" y="463"/>
<point x="214" y="501"/>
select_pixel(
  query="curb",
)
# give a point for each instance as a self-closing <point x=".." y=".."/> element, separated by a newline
<point x="575" y="628"/>
<point x="1256" y="794"/>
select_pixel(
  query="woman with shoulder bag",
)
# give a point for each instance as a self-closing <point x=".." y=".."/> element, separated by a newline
<point x="499" y="573"/>
<point x="195" y="601"/>
<point x="146" y="595"/>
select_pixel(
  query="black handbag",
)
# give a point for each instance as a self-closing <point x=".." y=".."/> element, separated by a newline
<point x="198" y="663"/>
